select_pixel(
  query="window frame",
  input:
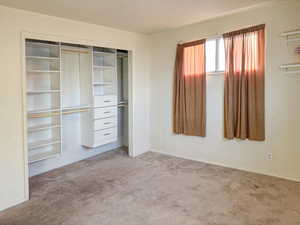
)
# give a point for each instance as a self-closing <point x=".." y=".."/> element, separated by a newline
<point x="217" y="70"/>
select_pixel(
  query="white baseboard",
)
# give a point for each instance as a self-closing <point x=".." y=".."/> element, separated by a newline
<point x="12" y="204"/>
<point x="223" y="165"/>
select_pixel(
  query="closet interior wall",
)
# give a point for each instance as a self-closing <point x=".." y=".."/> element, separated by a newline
<point x="122" y="66"/>
<point x="76" y="102"/>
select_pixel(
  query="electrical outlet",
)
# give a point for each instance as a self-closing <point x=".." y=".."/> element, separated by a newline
<point x="270" y="156"/>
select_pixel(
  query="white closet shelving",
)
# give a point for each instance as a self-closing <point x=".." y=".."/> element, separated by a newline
<point x="43" y="99"/>
<point x="291" y="36"/>
<point x="72" y="98"/>
<point x="292" y="68"/>
<point x="43" y="127"/>
<point x="101" y="124"/>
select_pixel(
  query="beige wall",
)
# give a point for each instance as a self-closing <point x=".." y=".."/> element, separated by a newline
<point x="12" y="23"/>
<point x="282" y="93"/>
<point x="282" y="97"/>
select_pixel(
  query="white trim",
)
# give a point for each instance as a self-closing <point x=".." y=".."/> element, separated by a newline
<point x="225" y="166"/>
<point x="24" y="118"/>
<point x="17" y="202"/>
<point x="131" y="152"/>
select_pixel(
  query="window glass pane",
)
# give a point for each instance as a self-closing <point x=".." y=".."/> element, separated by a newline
<point x="210" y="55"/>
<point x="221" y="55"/>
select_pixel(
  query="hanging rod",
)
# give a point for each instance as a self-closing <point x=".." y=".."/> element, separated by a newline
<point x="43" y="115"/>
<point x="64" y="112"/>
<point x="76" y="107"/>
<point x="75" y="51"/>
<point x="75" y="111"/>
<point x="69" y="111"/>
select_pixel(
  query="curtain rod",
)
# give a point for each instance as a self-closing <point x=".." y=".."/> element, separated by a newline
<point x="218" y="35"/>
<point x="207" y="37"/>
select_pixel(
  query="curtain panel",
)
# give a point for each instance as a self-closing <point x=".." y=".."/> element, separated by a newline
<point x="189" y="92"/>
<point x="244" y="93"/>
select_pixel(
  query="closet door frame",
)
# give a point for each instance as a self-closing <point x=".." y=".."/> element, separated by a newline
<point x="48" y="37"/>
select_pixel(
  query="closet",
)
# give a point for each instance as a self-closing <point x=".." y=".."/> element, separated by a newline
<point x="77" y="101"/>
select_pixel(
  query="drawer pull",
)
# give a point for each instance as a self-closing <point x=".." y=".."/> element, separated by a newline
<point x="106" y="112"/>
<point x="107" y="134"/>
<point x="107" y="123"/>
<point x="107" y="101"/>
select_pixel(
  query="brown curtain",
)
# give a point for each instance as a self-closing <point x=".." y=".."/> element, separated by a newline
<point x="244" y="106"/>
<point x="189" y="112"/>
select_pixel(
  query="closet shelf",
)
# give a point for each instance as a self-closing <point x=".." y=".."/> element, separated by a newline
<point x="43" y="71"/>
<point x="42" y="57"/>
<point x="289" y="33"/>
<point x="293" y="39"/>
<point x="102" y="83"/>
<point x="292" y="36"/>
<point x="108" y="94"/>
<point x="43" y="155"/>
<point x="43" y="143"/>
<point x="104" y="53"/>
<point x="292" y="72"/>
<point x="104" y="67"/>
<point x="42" y="127"/>
<point x="288" y="66"/>
<point x="291" y="68"/>
<point x="42" y="44"/>
<point x="36" y="111"/>
<point x="42" y="91"/>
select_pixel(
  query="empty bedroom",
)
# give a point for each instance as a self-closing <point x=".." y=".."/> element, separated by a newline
<point x="150" y="112"/>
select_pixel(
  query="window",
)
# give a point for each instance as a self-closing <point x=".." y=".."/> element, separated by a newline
<point x="215" y="55"/>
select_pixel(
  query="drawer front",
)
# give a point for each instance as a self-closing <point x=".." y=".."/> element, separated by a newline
<point x="105" y="112"/>
<point x="101" y="124"/>
<point x="105" y="100"/>
<point x="106" y="136"/>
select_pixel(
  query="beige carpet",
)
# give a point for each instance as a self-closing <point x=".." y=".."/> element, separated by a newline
<point x="154" y="189"/>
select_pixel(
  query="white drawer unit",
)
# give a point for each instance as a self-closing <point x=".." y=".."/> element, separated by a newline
<point x="105" y="112"/>
<point x="105" y="100"/>
<point x="101" y="124"/>
<point x="106" y="136"/>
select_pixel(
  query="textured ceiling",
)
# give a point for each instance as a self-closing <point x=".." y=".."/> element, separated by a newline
<point x="142" y="16"/>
